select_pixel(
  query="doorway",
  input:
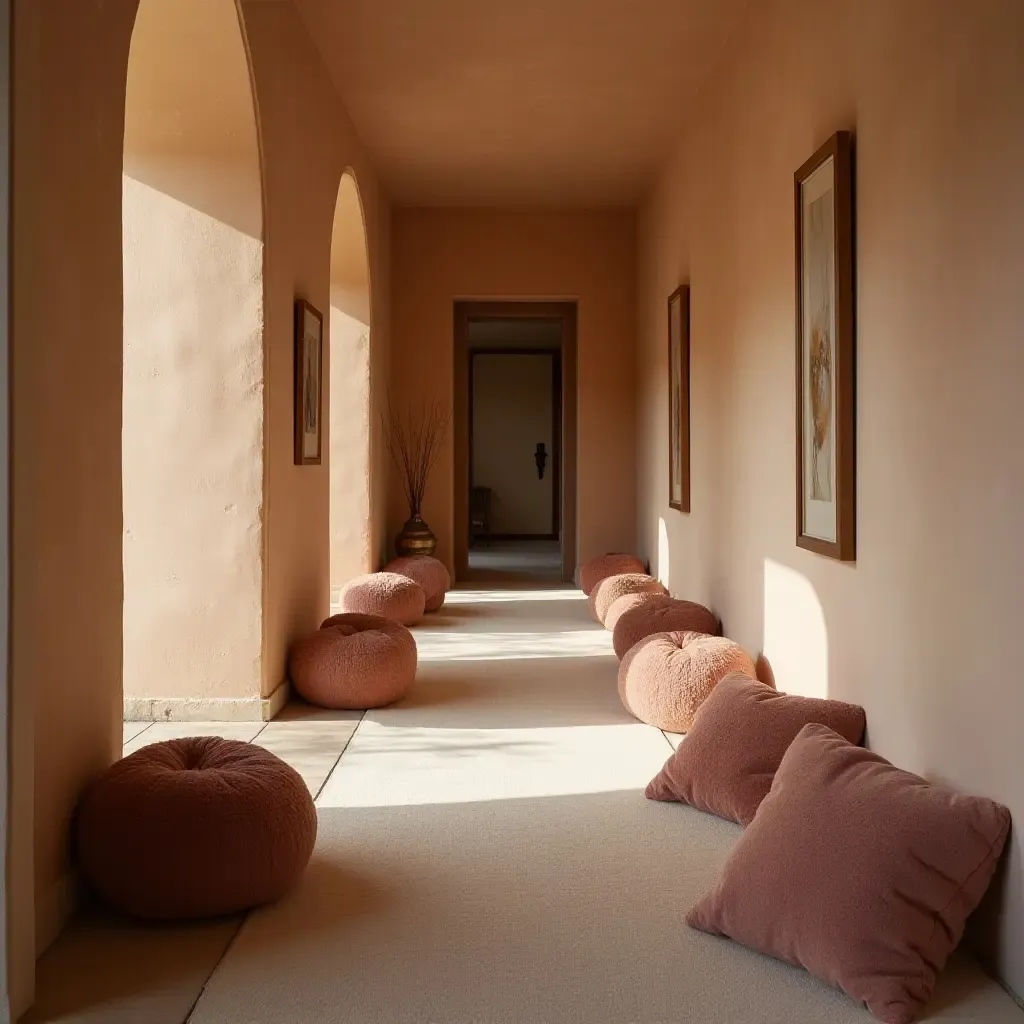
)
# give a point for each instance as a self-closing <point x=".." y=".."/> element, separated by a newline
<point x="515" y="441"/>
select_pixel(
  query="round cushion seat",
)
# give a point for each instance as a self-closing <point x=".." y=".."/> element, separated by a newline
<point x="610" y="589"/>
<point x="603" y="566"/>
<point x="659" y="613"/>
<point x="429" y="572"/>
<point x="354" y="661"/>
<point x="385" y="593"/>
<point x="664" y="679"/>
<point x="623" y="604"/>
<point x="194" y="828"/>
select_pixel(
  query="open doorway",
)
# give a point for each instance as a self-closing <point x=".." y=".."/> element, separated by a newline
<point x="515" y="441"/>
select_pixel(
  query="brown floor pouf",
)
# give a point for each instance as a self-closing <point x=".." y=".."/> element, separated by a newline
<point x="385" y="593"/>
<point x="610" y="589"/>
<point x="659" y="613"/>
<point x="195" y="828"/>
<point x="612" y="564"/>
<point x="429" y="572"/>
<point x="354" y="661"/>
<point x="666" y="677"/>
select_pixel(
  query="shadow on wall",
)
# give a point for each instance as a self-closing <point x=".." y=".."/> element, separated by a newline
<point x="795" y="637"/>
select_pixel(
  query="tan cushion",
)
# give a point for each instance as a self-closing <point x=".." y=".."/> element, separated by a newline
<point x="858" y="871"/>
<point x="610" y="589"/>
<point x="429" y="572"/>
<point x="600" y="568"/>
<point x="666" y="677"/>
<point x="737" y="741"/>
<point x="385" y="593"/>
<point x="195" y="828"/>
<point x="657" y="614"/>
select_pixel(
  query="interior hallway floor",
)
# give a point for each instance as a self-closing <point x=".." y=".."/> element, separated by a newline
<point x="485" y="854"/>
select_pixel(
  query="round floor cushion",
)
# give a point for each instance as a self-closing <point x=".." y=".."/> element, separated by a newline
<point x="623" y="604"/>
<point x="195" y="828"/>
<point x="666" y="677"/>
<point x="613" y="564"/>
<point x="385" y="593"/>
<point x="630" y="623"/>
<point x="610" y="589"/>
<point x="429" y="572"/>
<point x="354" y="661"/>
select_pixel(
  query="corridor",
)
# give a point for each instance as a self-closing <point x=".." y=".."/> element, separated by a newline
<point x="485" y="854"/>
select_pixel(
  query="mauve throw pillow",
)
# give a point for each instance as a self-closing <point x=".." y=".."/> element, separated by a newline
<point x="741" y="732"/>
<point x="860" y="872"/>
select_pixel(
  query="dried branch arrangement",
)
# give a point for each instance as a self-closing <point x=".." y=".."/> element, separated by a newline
<point x="414" y="441"/>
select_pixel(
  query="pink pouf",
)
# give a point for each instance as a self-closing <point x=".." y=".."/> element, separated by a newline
<point x="603" y="566"/>
<point x="657" y="614"/>
<point x="385" y="593"/>
<point x="194" y="828"/>
<point x="626" y="603"/>
<point x="610" y="589"/>
<point x="354" y="661"/>
<point x="429" y="572"/>
<point x="666" y="677"/>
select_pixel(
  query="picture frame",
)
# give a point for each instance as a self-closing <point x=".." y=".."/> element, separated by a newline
<point x="309" y="375"/>
<point x="679" y="399"/>
<point x="825" y="357"/>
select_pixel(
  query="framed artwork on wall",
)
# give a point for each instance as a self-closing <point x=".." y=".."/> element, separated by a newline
<point x="309" y="368"/>
<point x="679" y="399"/>
<point x="825" y="419"/>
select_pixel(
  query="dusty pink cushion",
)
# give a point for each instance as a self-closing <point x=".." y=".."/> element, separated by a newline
<point x="385" y="593"/>
<point x="741" y="732"/>
<point x="659" y="614"/>
<point x="429" y="572"/>
<point x="860" y="872"/>
<point x="666" y="677"/>
<point x="195" y="828"/>
<point x="603" y="566"/>
<point x="611" y="588"/>
<point x="626" y="603"/>
<point x="354" y="661"/>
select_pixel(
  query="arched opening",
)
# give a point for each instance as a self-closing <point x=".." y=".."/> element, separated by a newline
<point x="192" y="434"/>
<point x="349" y="392"/>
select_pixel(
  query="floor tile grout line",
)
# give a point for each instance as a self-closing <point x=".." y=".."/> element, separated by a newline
<point x="227" y="949"/>
<point x="334" y="766"/>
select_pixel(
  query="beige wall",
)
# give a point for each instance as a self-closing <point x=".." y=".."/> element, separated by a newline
<point x="923" y="630"/>
<point x="192" y="436"/>
<point x="443" y="255"/>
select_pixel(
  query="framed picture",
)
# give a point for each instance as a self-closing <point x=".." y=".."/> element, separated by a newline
<point x="825" y="425"/>
<point x="309" y="367"/>
<point x="679" y="399"/>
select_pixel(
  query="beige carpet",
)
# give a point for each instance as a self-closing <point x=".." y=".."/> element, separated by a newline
<point x="486" y="855"/>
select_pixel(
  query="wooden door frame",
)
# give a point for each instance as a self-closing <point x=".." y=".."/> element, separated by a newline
<point x="565" y="313"/>
<point x="555" y="354"/>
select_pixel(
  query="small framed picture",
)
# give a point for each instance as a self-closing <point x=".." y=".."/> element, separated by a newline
<point x="679" y="399"/>
<point x="309" y="368"/>
<point x="825" y="419"/>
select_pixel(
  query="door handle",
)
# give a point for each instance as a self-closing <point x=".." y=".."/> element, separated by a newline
<point x="540" y="456"/>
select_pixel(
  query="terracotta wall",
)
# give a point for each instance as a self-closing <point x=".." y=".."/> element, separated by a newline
<point x="923" y="630"/>
<point x="444" y="255"/>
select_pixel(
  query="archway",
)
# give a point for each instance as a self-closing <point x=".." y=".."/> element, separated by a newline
<point x="192" y="437"/>
<point x="349" y="392"/>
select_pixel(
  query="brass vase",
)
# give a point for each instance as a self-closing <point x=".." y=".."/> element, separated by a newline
<point x="416" y="538"/>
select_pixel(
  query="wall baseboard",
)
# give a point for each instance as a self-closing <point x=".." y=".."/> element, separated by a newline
<point x="206" y="709"/>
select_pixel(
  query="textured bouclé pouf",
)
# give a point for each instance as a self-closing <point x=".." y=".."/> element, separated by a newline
<point x="195" y="828"/>
<point x="385" y="593"/>
<point x="604" y="566"/>
<point x="666" y="677"/>
<point x="354" y="661"/>
<point x="658" y="614"/>
<point x="628" y="602"/>
<point x="610" y="589"/>
<point x="429" y="572"/>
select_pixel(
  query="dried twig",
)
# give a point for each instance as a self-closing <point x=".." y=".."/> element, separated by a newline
<point x="414" y="441"/>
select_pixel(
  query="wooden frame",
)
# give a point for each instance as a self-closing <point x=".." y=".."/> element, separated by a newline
<point x="555" y="355"/>
<point x="825" y="360"/>
<point x="679" y="418"/>
<point x="308" y="368"/>
<point x="565" y="314"/>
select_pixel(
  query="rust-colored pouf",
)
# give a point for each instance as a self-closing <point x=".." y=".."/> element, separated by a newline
<point x="626" y="603"/>
<point x="666" y="677"/>
<point x="385" y="593"/>
<point x="354" y="661"/>
<point x="613" y="564"/>
<point x="658" y="614"/>
<point x="195" y="828"/>
<point x="429" y="572"/>
<point x="609" y="590"/>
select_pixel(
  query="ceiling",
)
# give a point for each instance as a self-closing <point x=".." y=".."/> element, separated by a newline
<point x="525" y="103"/>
